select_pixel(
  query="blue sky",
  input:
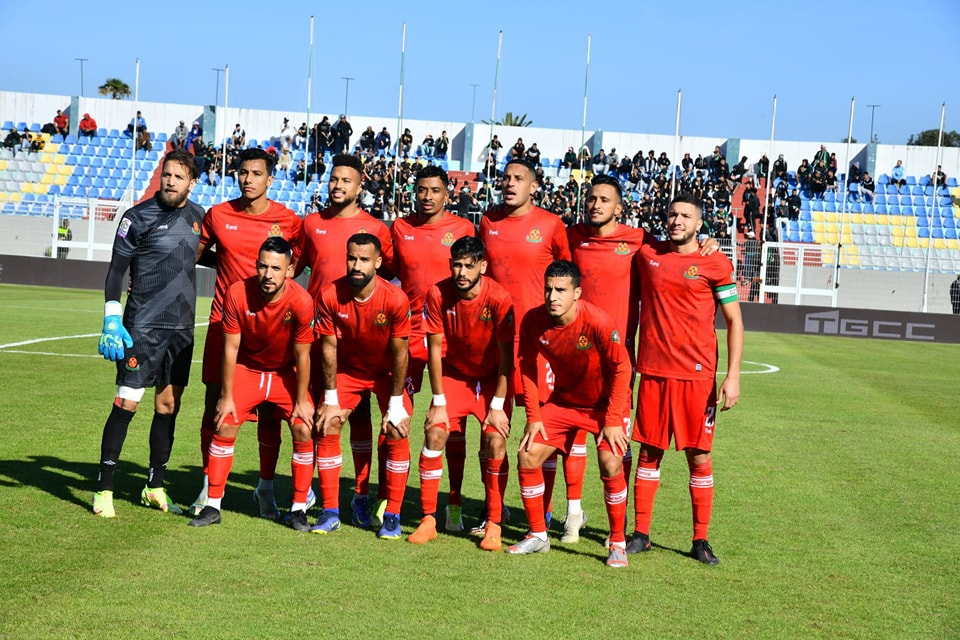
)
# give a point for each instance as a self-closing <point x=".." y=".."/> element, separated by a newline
<point x="729" y="58"/>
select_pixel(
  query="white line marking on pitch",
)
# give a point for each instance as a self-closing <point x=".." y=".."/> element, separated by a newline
<point x="55" y="338"/>
<point x="767" y="368"/>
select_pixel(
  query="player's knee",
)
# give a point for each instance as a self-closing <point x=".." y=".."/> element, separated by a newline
<point x="300" y="432"/>
<point x="495" y="445"/>
<point x="610" y="464"/>
<point x="128" y="398"/>
<point x="697" y="456"/>
<point x="436" y="438"/>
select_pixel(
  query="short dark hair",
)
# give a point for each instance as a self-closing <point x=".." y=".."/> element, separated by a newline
<point x="601" y="178"/>
<point x="688" y="198"/>
<point x="251" y="155"/>
<point x="433" y="171"/>
<point x="186" y="159"/>
<point x="364" y="238"/>
<point x="276" y="244"/>
<point x="347" y="160"/>
<point x="526" y="165"/>
<point x="563" y="269"/>
<point x="468" y="247"/>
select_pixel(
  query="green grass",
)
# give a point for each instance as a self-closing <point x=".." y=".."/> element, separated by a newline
<point x="836" y="517"/>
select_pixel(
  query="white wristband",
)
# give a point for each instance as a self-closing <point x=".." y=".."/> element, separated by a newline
<point x="497" y="403"/>
<point x="439" y="400"/>
<point x="330" y="397"/>
<point x="396" y="412"/>
<point x="112" y="308"/>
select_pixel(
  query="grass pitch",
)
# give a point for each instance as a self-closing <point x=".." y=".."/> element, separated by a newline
<point x="835" y="517"/>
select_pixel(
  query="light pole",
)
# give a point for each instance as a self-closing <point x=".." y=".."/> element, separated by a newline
<point x="346" y="95"/>
<point x="873" y="108"/>
<point x="216" y="93"/>
<point x="473" y="104"/>
<point x="81" y="61"/>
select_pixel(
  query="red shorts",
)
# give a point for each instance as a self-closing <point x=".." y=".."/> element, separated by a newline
<point x="417" y="364"/>
<point x="252" y="387"/>
<point x="685" y="409"/>
<point x="467" y="398"/>
<point x="562" y="425"/>
<point x="213" y="354"/>
<point x="350" y="390"/>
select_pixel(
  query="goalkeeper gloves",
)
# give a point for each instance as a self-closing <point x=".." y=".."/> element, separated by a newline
<point x="114" y="337"/>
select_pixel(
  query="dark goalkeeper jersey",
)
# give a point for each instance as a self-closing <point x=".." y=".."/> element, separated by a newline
<point x="162" y="245"/>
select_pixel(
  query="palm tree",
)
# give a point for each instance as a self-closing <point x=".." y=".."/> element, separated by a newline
<point x="510" y="120"/>
<point x="115" y="88"/>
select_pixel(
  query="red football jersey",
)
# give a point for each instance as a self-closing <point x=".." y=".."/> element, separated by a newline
<point x="324" y="245"/>
<point x="238" y="236"/>
<point x="587" y="357"/>
<point x="607" y="276"/>
<point x="422" y="256"/>
<point x="363" y="329"/>
<point x="519" y="249"/>
<point x="679" y="293"/>
<point x="268" y="331"/>
<point x="471" y="328"/>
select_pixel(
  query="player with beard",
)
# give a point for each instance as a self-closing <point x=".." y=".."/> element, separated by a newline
<point x="592" y="378"/>
<point x="421" y="244"/>
<point x="679" y="293"/>
<point x="522" y="240"/>
<point x="472" y="316"/>
<point x="237" y="228"/>
<point x="152" y="343"/>
<point x="364" y="324"/>
<point x="268" y="330"/>
<point x="325" y="234"/>
<point x="603" y="248"/>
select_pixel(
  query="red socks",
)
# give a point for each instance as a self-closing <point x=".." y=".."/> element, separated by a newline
<point x="615" y="499"/>
<point x="301" y="469"/>
<point x="329" y="462"/>
<point x="431" y="471"/>
<point x="268" y="434"/>
<point x="701" y="497"/>
<point x="645" y="487"/>
<point x="397" y="468"/>
<point x="495" y="486"/>
<point x="221" y="460"/>
<point x="531" y="492"/>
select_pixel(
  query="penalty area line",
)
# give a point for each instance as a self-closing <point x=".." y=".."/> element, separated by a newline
<point x="24" y="343"/>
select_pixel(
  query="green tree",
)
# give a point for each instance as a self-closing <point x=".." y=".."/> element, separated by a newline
<point x="115" y="88"/>
<point x="510" y="120"/>
<point x="844" y="140"/>
<point x="928" y="138"/>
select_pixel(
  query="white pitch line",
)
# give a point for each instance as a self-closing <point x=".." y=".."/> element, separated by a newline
<point x="55" y="338"/>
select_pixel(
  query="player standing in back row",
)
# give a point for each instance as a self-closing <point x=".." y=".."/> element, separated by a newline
<point x="158" y="241"/>
<point x="679" y="292"/>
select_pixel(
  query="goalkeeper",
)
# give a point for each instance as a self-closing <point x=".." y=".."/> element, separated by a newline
<point x="152" y="343"/>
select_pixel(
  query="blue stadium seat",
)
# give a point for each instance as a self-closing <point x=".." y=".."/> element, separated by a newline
<point x="54" y="190"/>
<point x="946" y="201"/>
<point x="21" y="126"/>
<point x="7" y="125"/>
<point x="923" y="221"/>
<point x="830" y="207"/>
<point x="905" y="190"/>
<point x="892" y="209"/>
<point x="804" y="205"/>
<point x="868" y="207"/>
<point x="161" y="137"/>
<point x="951" y="182"/>
<point x="793" y="235"/>
<point x="906" y="210"/>
<point x="806" y="236"/>
<point x="949" y="222"/>
<point x="96" y="161"/>
<point x="854" y="207"/>
<point x="891" y="189"/>
<point x="923" y="232"/>
<point x="35" y="127"/>
<point x="883" y="179"/>
<point x="71" y="161"/>
<point x="936" y="233"/>
<point x="950" y="234"/>
<point x="806" y="226"/>
<point x="920" y="210"/>
<point x="66" y="190"/>
<point x="911" y="180"/>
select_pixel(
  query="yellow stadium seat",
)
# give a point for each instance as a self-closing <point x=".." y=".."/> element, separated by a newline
<point x="46" y="158"/>
<point x="16" y="196"/>
<point x="896" y="231"/>
<point x="3" y="165"/>
<point x="59" y="159"/>
<point x="818" y="237"/>
<point x="846" y="239"/>
<point x="883" y="218"/>
<point x="46" y="137"/>
<point x="830" y="227"/>
<point x="869" y="218"/>
<point x="3" y="196"/>
<point x="832" y="238"/>
<point x="855" y="218"/>
<point x="47" y="178"/>
<point x="939" y="243"/>
<point x="41" y="188"/>
<point x="911" y="243"/>
<point x="953" y="244"/>
<point x="830" y="216"/>
<point x="27" y="187"/>
<point x="818" y="227"/>
<point x="51" y="168"/>
<point x="53" y="148"/>
<point x="817" y="216"/>
<point x="897" y="241"/>
<point x="64" y="170"/>
<point x="60" y="180"/>
<point x="910" y="231"/>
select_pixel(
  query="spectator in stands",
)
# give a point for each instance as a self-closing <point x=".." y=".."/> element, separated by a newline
<point x="179" y="139"/>
<point x="751" y="265"/>
<point x="342" y="131"/>
<point x="36" y="142"/>
<point x="443" y="146"/>
<point x="195" y="134"/>
<point x="853" y="175"/>
<point x="368" y="139"/>
<point x="287" y="133"/>
<point x="832" y="164"/>
<point x="763" y="168"/>
<point x="715" y="159"/>
<point x="88" y="126"/>
<point x="382" y="141"/>
<point x="323" y="133"/>
<point x="751" y="207"/>
<point x="519" y="149"/>
<point x="867" y="187"/>
<point x="793" y="205"/>
<point x="822" y="156"/>
<point x="569" y="159"/>
<point x="238" y="139"/>
<point x="831" y="181"/>
<point x="955" y="296"/>
<point x="780" y="168"/>
<point x="300" y="174"/>
<point x="739" y="170"/>
<point x="64" y="234"/>
<point x="495" y="146"/>
<point x="300" y="139"/>
<point x="803" y="174"/>
<point x="137" y="125"/>
<point x="818" y="184"/>
<point x="599" y="162"/>
<point x="428" y="145"/>
<point x="285" y="161"/>
<point x="898" y="175"/>
<point x="62" y="123"/>
<point x="585" y="159"/>
<point x="533" y="155"/>
<point x="939" y="178"/>
<point x="406" y="141"/>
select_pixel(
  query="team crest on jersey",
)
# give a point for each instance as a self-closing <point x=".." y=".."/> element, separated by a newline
<point x="381" y="319"/>
<point x="535" y="235"/>
<point x="582" y="343"/>
<point x="448" y="239"/>
<point x="623" y="249"/>
<point x="196" y="228"/>
<point x="275" y="231"/>
<point x="288" y="316"/>
<point x="486" y="315"/>
<point x="692" y="272"/>
<point x="133" y="364"/>
<point x="615" y="336"/>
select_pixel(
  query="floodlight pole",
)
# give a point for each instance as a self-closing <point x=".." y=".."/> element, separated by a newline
<point x="873" y="108"/>
<point x="81" y="61"/>
<point x="216" y="93"/>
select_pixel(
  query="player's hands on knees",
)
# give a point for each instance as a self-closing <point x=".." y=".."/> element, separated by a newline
<point x="436" y="417"/>
<point x="396" y="431"/>
<point x="529" y="434"/>
<point x="225" y="407"/>
<point x="497" y="418"/>
<point x="729" y="394"/>
<point x="304" y="410"/>
<point x="113" y="338"/>
<point x="328" y="419"/>
<point x="616" y="437"/>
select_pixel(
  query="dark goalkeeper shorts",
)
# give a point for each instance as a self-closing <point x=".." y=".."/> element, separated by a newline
<point x="157" y="358"/>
